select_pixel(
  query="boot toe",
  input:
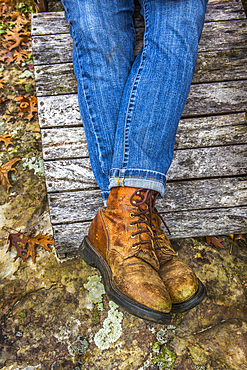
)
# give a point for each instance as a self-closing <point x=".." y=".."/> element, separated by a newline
<point x="180" y="281"/>
<point x="140" y="282"/>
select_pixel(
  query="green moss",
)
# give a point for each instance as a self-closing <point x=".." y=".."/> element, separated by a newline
<point x="165" y="359"/>
<point x="95" y="318"/>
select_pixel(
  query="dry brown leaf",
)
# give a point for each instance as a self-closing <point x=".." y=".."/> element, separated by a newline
<point x="3" y="99"/>
<point x="7" y="56"/>
<point x="26" y="245"/>
<point x="20" y="55"/>
<point x="4" y="170"/>
<point x="1" y="81"/>
<point x="6" y="139"/>
<point x="240" y="237"/>
<point x="27" y="105"/>
<point x="215" y="241"/>
<point x="17" y="35"/>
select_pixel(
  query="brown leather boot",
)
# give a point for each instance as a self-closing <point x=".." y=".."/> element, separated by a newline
<point x="184" y="288"/>
<point x="120" y="244"/>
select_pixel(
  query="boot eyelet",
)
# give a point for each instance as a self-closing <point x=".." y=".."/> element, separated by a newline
<point x="134" y="246"/>
<point x="138" y="193"/>
<point x="132" y="224"/>
<point x="132" y="215"/>
<point x="132" y="236"/>
<point x="133" y="201"/>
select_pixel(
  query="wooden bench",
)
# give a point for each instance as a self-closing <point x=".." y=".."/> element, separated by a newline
<point x="207" y="182"/>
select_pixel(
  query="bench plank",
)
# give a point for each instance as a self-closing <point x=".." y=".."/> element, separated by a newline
<point x="211" y="66"/>
<point x="58" y="79"/>
<point x="58" y="49"/>
<point x="53" y="22"/>
<point x="203" y="99"/>
<point x="65" y="143"/>
<point x="60" y="110"/>
<point x="180" y="196"/>
<point x="182" y="225"/>
<point x="76" y="174"/>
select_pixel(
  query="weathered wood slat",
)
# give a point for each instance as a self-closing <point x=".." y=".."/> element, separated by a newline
<point x="64" y="143"/>
<point x="211" y="66"/>
<point x="179" y="196"/>
<point x="231" y="35"/>
<point x="216" y="98"/>
<point x="220" y="35"/>
<point x="76" y="174"/>
<point x="217" y="11"/>
<point x="224" y="65"/>
<point x="203" y="99"/>
<point x="185" y="224"/>
<point x="61" y="110"/>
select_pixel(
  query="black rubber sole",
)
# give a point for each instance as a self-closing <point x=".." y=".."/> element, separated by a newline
<point x="93" y="258"/>
<point x="191" y="302"/>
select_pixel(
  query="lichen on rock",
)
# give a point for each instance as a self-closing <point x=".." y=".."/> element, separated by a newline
<point x="111" y="330"/>
<point x="96" y="290"/>
<point x="78" y="347"/>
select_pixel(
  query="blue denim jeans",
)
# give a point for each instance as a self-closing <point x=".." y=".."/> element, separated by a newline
<point x="131" y="107"/>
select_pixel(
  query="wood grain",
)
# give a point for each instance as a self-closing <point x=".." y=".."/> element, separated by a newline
<point x="203" y="99"/>
<point x="64" y="143"/>
<point x="76" y="174"/>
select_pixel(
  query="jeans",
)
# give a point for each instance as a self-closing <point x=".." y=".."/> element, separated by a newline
<point x="131" y="107"/>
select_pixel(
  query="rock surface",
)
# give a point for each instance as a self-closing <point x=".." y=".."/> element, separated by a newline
<point x="49" y="318"/>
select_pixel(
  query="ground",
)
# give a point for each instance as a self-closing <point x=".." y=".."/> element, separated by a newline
<point x="54" y="313"/>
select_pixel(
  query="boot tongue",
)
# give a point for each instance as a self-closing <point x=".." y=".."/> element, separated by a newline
<point x="163" y="250"/>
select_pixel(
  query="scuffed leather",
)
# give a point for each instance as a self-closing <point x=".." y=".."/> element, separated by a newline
<point x="179" y="279"/>
<point x="134" y="270"/>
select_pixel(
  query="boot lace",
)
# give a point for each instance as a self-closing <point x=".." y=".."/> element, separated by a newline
<point x="145" y="215"/>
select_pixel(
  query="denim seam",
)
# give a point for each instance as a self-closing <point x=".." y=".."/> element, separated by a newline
<point x="139" y="177"/>
<point x="88" y="103"/>
<point x="139" y="169"/>
<point x="129" y="111"/>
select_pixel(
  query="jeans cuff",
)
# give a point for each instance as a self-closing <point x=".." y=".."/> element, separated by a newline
<point x="141" y="183"/>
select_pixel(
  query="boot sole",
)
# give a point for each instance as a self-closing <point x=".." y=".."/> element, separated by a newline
<point x="93" y="258"/>
<point x="191" y="302"/>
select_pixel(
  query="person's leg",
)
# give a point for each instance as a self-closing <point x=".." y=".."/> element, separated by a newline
<point x="104" y="37"/>
<point x="156" y="92"/>
<point x="152" y="104"/>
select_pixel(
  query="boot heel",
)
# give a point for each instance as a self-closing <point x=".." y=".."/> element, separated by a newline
<point x="86" y="253"/>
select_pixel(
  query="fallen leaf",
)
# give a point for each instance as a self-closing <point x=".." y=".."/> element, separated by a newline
<point x="1" y="81"/>
<point x="27" y="105"/>
<point x="215" y="241"/>
<point x="6" y="139"/>
<point x="21" y="55"/>
<point x="240" y="237"/>
<point x="4" y="170"/>
<point x="17" y="35"/>
<point x="25" y="244"/>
